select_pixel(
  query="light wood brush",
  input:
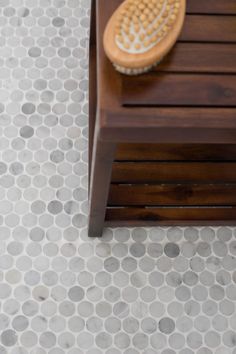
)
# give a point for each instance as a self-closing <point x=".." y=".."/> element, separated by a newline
<point x="141" y="32"/>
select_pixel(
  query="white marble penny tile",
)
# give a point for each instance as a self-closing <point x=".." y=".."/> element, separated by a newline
<point x="158" y="290"/>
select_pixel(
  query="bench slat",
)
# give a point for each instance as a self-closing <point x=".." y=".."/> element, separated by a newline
<point x="193" y="6"/>
<point x="203" y="28"/>
<point x="227" y="7"/>
<point x="173" y="152"/>
<point x="182" y="194"/>
<point x="179" y="90"/>
<point x="200" y="58"/>
<point x="170" y="216"/>
<point x="173" y="172"/>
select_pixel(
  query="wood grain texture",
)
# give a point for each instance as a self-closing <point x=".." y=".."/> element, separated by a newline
<point x="198" y="6"/>
<point x="181" y="194"/>
<point x="226" y="7"/>
<point x="200" y="58"/>
<point x="170" y="125"/>
<point x="173" y="152"/>
<point x="173" y="172"/>
<point x="170" y="216"/>
<point x="205" y="57"/>
<point x="151" y="125"/>
<point x="103" y="155"/>
<point x="92" y="101"/>
<point x="204" y="28"/>
<point x="179" y="90"/>
<point x="92" y="83"/>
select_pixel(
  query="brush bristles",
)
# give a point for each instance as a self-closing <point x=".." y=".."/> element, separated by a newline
<point x="144" y="23"/>
<point x="134" y="71"/>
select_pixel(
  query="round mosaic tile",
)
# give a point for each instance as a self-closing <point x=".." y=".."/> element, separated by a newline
<point x="140" y="290"/>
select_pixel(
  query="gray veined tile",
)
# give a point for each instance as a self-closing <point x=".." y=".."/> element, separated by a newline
<point x="188" y="249"/>
<point x="176" y="341"/>
<point x="8" y="338"/>
<point x="231" y="292"/>
<point x="112" y="324"/>
<point x="139" y="234"/>
<point x="166" y="325"/>
<point x="182" y="293"/>
<point x="216" y="292"/>
<point x="210" y="307"/>
<point x="138" y="279"/>
<point x="207" y="278"/>
<point x="164" y="264"/>
<point x="157" y="234"/>
<point x="197" y="264"/>
<point x="131" y="325"/>
<point x="120" y="250"/>
<point x="226" y="307"/>
<point x="220" y="248"/>
<point x="232" y="247"/>
<point x="148" y="294"/>
<point x="229" y="339"/>
<point x="155" y="250"/>
<point x="174" y="234"/>
<point x="204" y="249"/>
<point x="184" y="324"/>
<point x="146" y="264"/>
<point x="192" y="308"/>
<point x="180" y="264"/>
<point x="199" y="293"/>
<point x="194" y="340"/>
<point x="122" y="340"/>
<point x="158" y="341"/>
<point x="129" y="264"/>
<point x="190" y="278"/>
<point x="172" y="250"/>
<point x="168" y="351"/>
<point x="103" y="340"/>
<point x="224" y="234"/>
<point x="121" y="309"/>
<point x="140" y="290"/>
<point x="137" y="249"/>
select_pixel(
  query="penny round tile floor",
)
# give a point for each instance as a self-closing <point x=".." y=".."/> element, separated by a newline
<point x="157" y="290"/>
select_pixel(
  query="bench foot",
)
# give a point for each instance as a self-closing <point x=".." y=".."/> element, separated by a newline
<point x="103" y="156"/>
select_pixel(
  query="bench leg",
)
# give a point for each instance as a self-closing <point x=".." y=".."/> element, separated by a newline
<point x="103" y="156"/>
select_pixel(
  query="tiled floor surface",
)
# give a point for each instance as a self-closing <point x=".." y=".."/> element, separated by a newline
<point x="134" y="291"/>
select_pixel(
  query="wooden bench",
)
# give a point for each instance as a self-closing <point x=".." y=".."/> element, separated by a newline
<point x="162" y="146"/>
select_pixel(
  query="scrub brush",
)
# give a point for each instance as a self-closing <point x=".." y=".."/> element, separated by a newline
<point x="141" y="32"/>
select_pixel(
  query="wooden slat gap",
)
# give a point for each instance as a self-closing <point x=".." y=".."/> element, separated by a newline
<point x="169" y="184"/>
<point x="186" y="207"/>
<point x="175" y="105"/>
<point x="205" y="42"/>
<point x="164" y="206"/>
<point x="208" y="14"/>
<point x="194" y="73"/>
<point x="185" y="73"/>
<point x="175" y="161"/>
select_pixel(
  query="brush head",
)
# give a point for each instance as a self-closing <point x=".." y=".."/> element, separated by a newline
<point x="141" y="32"/>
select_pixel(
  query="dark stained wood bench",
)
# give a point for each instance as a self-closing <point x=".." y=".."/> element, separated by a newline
<point x="162" y="146"/>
